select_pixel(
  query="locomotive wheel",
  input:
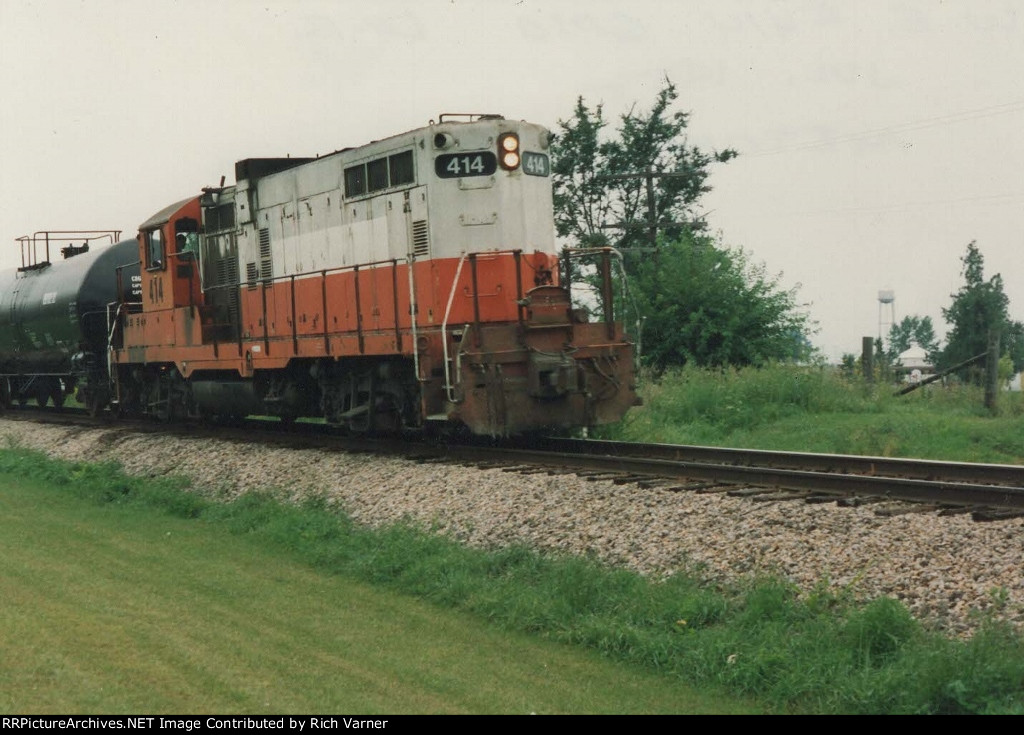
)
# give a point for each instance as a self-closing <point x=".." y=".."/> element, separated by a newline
<point x="358" y="422"/>
<point x="384" y="418"/>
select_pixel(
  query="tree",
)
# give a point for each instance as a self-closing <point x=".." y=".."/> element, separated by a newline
<point x="701" y="302"/>
<point x="910" y="331"/>
<point x="849" y="364"/>
<point x="594" y="205"/>
<point x="710" y="306"/>
<point x="978" y="306"/>
<point x="1012" y="342"/>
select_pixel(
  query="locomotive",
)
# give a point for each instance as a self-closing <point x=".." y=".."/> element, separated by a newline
<point x="410" y="282"/>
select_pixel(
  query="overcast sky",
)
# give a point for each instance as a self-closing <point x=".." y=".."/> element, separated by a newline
<point x="877" y="138"/>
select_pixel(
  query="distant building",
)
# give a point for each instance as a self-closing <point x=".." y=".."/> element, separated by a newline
<point x="912" y="366"/>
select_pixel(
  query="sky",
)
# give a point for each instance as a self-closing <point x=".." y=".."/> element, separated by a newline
<point x="876" y="139"/>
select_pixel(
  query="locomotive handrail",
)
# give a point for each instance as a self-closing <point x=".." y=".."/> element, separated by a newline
<point x="608" y="251"/>
<point x="323" y="271"/>
<point x="471" y="116"/>
<point x="517" y="253"/>
<point x="112" y="327"/>
<point x="448" y="387"/>
<point x="355" y="268"/>
<point x="413" y="314"/>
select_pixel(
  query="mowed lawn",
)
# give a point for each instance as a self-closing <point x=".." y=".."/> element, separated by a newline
<point x="120" y="609"/>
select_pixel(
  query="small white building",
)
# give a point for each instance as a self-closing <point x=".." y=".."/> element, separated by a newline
<point x="912" y="365"/>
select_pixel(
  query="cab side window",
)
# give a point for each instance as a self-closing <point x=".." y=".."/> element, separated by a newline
<point x="186" y="236"/>
<point x="154" y="249"/>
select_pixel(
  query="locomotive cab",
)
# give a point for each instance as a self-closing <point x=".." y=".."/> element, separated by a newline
<point x="167" y="250"/>
<point x="176" y="306"/>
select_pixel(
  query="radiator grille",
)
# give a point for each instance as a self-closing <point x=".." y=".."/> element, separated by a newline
<point x="226" y="270"/>
<point x="420" y="239"/>
<point x="266" y="262"/>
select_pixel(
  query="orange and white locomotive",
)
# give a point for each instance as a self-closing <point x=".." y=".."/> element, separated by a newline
<point x="410" y="280"/>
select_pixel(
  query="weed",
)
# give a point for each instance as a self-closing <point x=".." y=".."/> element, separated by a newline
<point x="877" y="631"/>
<point x="817" y="409"/>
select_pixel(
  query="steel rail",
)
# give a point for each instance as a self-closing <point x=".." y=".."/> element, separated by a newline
<point x="942" y="483"/>
<point x="947" y="492"/>
<point x="924" y="469"/>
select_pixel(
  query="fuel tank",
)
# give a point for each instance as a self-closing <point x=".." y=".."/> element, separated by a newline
<point x="52" y="311"/>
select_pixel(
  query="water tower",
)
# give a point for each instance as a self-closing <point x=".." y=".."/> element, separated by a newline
<point x="886" y="300"/>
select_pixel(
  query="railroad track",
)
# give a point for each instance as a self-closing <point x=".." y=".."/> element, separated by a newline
<point x="894" y="485"/>
<point x="988" y="491"/>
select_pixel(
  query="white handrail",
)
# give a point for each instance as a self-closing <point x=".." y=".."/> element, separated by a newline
<point x="411" y="262"/>
<point x="111" y="326"/>
<point x="444" y="330"/>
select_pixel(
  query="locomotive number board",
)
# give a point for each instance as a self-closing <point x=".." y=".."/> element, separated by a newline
<point x="456" y="165"/>
<point x="536" y="164"/>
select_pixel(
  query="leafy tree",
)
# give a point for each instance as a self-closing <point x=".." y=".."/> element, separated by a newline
<point x="1012" y="345"/>
<point x="594" y="208"/>
<point x="702" y="303"/>
<point x="978" y="306"/>
<point x="1005" y="371"/>
<point x="910" y="331"/>
<point x="849" y="364"/>
<point x="707" y="305"/>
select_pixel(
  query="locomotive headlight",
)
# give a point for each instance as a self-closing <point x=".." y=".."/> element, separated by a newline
<point x="508" y="151"/>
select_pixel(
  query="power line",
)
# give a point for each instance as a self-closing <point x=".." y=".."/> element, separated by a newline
<point x="966" y="115"/>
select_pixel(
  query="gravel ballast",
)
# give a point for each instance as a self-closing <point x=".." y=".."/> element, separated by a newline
<point x="947" y="570"/>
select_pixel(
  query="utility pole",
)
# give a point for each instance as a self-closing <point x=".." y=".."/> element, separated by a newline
<point x="651" y="223"/>
<point x="992" y="371"/>
<point x="867" y="358"/>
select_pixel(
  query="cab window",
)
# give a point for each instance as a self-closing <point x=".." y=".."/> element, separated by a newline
<point x="154" y="249"/>
<point x="186" y="236"/>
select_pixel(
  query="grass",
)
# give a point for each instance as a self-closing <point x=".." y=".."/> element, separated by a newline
<point x="298" y="609"/>
<point x="817" y="410"/>
<point x="111" y="607"/>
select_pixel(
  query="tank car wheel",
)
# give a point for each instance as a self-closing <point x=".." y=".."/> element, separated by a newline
<point x="57" y="397"/>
